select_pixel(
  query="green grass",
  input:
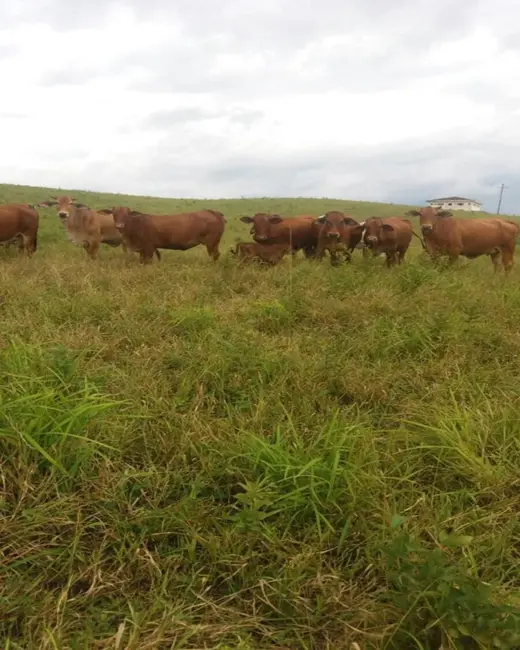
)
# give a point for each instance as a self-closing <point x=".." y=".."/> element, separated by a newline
<point x="199" y="455"/>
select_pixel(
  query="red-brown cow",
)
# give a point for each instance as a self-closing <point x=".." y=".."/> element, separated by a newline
<point x="270" y="254"/>
<point x="445" y="235"/>
<point x="86" y="227"/>
<point x="296" y="231"/>
<point x="335" y="231"/>
<point x="19" y="221"/>
<point x="145" y="233"/>
<point x="391" y="236"/>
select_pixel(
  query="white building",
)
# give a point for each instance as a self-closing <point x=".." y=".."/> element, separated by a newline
<point x="456" y="203"/>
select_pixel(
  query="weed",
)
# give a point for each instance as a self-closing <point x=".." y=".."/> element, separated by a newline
<point x="199" y="454"/>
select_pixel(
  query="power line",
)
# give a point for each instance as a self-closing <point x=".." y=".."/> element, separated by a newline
<point x="500" y="197"/>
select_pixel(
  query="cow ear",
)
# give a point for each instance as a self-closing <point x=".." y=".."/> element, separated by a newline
<point x="350" y="222"/>
<point x="77" y="204"/>
<point x="387" y="227"/>
<point x="246" y="219"/>
<point x="275" y="218"/>
<point x="444" y="213"/>
<point x="135" y="213"/>
<point x="47" y="204"/>
<point x="321" y="219"/>
<point x="105" y="210"/>
<point x="413" y="213"/>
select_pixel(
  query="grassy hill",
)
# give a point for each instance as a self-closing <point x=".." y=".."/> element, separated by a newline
<point x="198" y="455"/>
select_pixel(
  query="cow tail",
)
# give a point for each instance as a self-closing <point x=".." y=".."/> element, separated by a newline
<point x="420" y="239"/>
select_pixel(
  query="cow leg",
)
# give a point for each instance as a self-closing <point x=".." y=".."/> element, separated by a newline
<point x="334" y="261"/>
<point x="391" y="258"/>
<point x="495" y="259"/>
<point x="146" y="256"/>
<point x="453" y="257"/>
<point x="213" y="251"/>
<point x="157" y="254"/>
<point x="507" y="259"/>
<point x="320" y="251"/>
<point x="31" y="243"/>
<point x="92" y="249"/>
<point x="22" y="244"/>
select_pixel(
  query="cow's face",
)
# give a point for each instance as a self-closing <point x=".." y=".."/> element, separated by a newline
<point x="262" y="222"/>
<point x="428" y="217"/>
<point x="64" y="205"/>
<point x="333" y="224"/>
<point x="375" y="232"/>
<point x="120" y="215"/>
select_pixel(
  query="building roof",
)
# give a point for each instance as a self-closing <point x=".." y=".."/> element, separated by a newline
<point x="452" y="198"/>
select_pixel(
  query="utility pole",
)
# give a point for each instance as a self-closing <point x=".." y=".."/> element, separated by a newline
<point x="500" y="198"/>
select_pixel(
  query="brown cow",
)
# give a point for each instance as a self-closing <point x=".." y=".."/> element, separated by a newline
<point x="270" y="254"/>
<point x="445" y="235"/>
<point x="86" y="227"/>
<point x="19" y="221"/>
<point x="145" y="233"/>
<point x="391" y="236"/>
<point x="272" y="229"/>
<point x="336" y="231"/>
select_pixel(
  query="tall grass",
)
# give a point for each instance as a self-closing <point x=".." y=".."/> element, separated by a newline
<point x="200" y="455"/>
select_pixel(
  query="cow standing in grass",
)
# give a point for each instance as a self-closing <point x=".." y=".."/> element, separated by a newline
<point x="146" y="233"/>
<point x="19" y="222"/>
<point x="335" y="231"/>
<point x="296" y="231"/>
<point x="391" y="236"/>
<point x="86" y="227"/>
<point x="445" y="235"/>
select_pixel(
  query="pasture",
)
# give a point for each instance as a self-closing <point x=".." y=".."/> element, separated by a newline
<point x="200" y="455"/>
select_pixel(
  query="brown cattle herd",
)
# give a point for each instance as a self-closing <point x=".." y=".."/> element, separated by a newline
<point x="442" y="234"/>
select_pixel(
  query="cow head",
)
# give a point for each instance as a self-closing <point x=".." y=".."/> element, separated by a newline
<point x="262" y="222"/>
<point x="333" y="223"/>
<point x="64" y="205"/>
<point x="428" y="217"/>
<point x="121" y="215"/>
<point x="376" y="231"/>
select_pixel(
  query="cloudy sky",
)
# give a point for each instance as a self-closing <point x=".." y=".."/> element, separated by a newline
<point x="400" y="100"/>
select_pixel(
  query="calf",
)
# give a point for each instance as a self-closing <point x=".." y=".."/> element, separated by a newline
<point x="296" y="231"/>
<point x="445" y="235"/>
<point x="270" y="254"/>
<point x="86" y="227"/>
<point x="145" y="233"/>
<point x="335" y="231"/>
<point x="391" y="236"/>
<point x="19" y="221"/>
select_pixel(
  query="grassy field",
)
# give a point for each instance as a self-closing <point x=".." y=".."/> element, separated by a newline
<point x="198" y="455"/>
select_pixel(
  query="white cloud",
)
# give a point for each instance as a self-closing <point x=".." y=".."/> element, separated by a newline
<point x="242" y="98"/>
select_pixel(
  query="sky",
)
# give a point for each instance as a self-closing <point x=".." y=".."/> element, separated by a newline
<point x="374" y="100"/>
